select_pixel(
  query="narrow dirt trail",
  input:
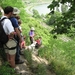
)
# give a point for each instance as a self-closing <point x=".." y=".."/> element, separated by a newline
<point x="24" y="68"/>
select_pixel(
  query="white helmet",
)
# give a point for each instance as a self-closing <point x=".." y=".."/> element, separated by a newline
<point x="32" y="28"/>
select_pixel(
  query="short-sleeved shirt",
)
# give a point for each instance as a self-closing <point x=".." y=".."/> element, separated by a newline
<point x="31" y="33"/>
<point x="38" y="41"/>
<point x="14" y="22"/>
<point x="15" y="25"/>
<point x="7" y="25"/>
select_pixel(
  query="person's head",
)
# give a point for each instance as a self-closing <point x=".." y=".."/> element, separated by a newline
<point x="16" y="11"/>
<point x="19" y="22"/>
<point x="32" y="28"/>
<point x="17" y="17"/>
<point x="8" y="11"/>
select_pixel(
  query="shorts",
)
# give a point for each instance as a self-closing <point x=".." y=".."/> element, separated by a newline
<point x="10" y="43"/>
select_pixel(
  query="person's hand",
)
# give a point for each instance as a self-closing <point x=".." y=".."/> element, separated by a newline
<point x="22" y="45"/>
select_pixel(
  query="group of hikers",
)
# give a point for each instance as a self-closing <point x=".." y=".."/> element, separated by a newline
<point x="12" y="28"/>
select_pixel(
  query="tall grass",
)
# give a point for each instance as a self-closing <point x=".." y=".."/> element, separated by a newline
<point x="61" y="56"/>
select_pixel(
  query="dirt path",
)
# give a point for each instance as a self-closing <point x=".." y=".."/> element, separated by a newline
<point x="24" y="68"/>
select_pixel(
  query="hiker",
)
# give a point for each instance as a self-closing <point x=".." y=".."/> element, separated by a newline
<point x="9" y="30"/>
<point x="31" y="46"/>
<point x="36" y="44"/>
<point x="19" y="23"/>
<point x="23" y="37"/>
<point x="17" y="36"/>
<point x="39" y="42"/>
<point x="31" y="34"/>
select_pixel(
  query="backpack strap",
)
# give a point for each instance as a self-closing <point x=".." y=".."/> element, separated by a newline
<point x="10" y="48"/>
<point x="2" y="19"/>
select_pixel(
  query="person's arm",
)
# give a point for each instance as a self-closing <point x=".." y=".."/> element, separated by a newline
<point x="15" y="25"/>
<point x="18" y="33"/>
<point x="8" y="27"/>
<point x="11" y="35"/>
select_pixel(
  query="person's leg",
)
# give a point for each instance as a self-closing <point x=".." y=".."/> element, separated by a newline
<point x="31" y="40"/>
<point x="17" y="57"/>
<point x="7" y="55"/>
<point x="11" y="57"/>
<point x="12" y="60"/>
<point x="10" y="53"/>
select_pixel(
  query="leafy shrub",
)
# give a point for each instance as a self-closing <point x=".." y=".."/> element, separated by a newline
<point x="6" y="70"/>
<point x="2" y="54"/>
<point x="36" y="14"/>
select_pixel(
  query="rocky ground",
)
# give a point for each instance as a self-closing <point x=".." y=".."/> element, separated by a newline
<point x="24" y="68"/>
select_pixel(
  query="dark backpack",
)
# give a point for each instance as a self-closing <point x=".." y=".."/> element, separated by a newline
<point x="3" y="36"/>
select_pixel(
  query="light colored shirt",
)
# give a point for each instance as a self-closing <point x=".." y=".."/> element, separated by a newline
<point x="7" y="25"/>
<point x="31" y="33"/>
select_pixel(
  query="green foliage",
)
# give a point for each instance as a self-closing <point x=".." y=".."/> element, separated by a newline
<point x="59" y="53"/>
<point x="59" y="68"/>
<point x="40" y="70"/>
<point x="17" y="3"/>
<point x="64" y="8"/>
<point x="28" y="56"/>
<point x="67" y="20"/>
<point x="28" y="21"/>
<point x="51" y="19"/>
<point x="6" y="70"/>
<point x="3" y="54"/>
<point x="36" y="14"/>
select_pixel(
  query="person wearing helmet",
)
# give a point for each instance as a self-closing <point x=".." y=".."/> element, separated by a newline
<point x="32" y="34"/>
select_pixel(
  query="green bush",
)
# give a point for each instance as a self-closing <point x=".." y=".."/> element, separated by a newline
<point x="3" y="54"/>
<point x="6" y="70"/>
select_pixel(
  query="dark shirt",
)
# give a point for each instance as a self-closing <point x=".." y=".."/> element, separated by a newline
<point x="14" y="22"/>
<point x="15" y="25"/>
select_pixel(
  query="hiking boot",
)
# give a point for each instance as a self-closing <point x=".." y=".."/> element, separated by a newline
<point x="19" y="62"/>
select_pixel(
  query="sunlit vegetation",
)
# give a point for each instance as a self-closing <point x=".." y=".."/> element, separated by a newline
<point x="60" y="52"/>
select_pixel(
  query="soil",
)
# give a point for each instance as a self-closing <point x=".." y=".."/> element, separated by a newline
<point x="25" y="69"/>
